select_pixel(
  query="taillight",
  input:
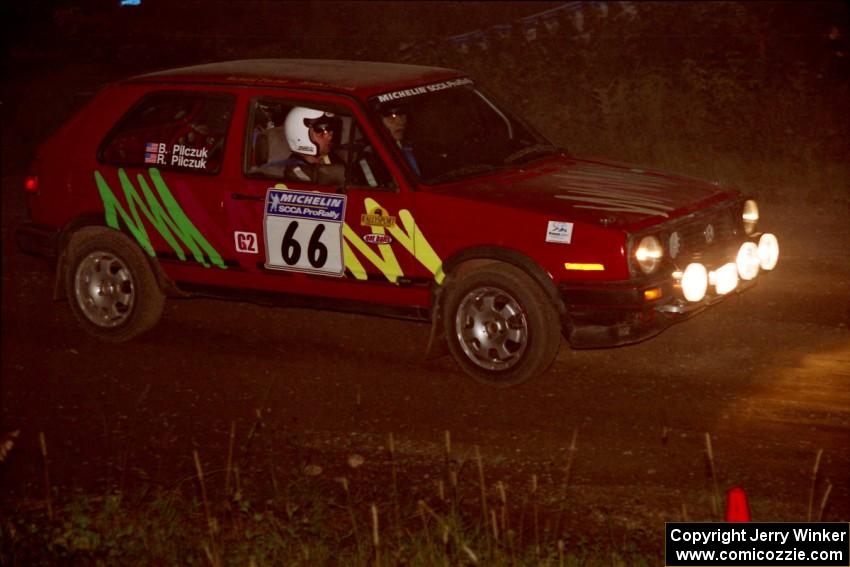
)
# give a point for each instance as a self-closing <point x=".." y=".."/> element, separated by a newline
<point x="31" y="184"/>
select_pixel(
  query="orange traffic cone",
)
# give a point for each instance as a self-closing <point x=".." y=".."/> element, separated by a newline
<point x="737" y="509"/>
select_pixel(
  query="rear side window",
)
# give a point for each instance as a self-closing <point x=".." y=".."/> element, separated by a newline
<point x="180" y="131"/>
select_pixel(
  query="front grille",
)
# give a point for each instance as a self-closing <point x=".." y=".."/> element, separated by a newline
<point x="703" y="232"/>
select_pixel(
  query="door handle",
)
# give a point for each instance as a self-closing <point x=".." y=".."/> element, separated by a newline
<point x="244" y="197"/>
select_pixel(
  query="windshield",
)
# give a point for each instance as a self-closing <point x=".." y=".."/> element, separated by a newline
<point x="450" y="130"/>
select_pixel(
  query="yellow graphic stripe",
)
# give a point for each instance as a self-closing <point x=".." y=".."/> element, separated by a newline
<point x="409" y="235"/>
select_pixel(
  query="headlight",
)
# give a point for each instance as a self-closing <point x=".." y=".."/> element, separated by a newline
<point x="649" y="253"/>
<point x="750" y="215"/>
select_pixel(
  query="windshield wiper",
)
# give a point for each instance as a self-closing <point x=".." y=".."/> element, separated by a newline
<point x="530" y="151"/>
<point x="463" y="172"/>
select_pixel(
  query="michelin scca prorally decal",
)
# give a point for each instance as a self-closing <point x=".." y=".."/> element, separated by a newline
<point x="304" y="231"/>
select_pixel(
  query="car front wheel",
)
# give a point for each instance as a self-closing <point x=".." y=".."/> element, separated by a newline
<point x="111" y="287"/>
<point x="500" y="325"/>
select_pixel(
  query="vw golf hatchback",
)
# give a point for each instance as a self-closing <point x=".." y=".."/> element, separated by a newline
<point x="395" y="190"/>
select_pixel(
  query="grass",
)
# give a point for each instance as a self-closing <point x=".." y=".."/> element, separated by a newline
<point x="169" y="530"/>
<point x="308" y="517"/>
<point x="305" y="527"/>
<point x="243" y="515"/>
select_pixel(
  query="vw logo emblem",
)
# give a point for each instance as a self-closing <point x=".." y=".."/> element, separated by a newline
<point x="709" y="233"/>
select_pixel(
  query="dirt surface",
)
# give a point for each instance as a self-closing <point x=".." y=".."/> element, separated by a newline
<point x="766" y="373"/>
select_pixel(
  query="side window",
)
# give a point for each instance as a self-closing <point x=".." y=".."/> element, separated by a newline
<point x="181" y="131"/>
<point x="306" y="143"/>
<point x="367" y="168"/>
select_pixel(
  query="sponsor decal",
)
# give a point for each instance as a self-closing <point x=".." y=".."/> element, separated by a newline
<point x="163" y="214"/>
<point x="560" y="232"/>
<point x="246" y="242"/>
<point x="377" y="217"/>
<point x="415" y="91"/>
<point x="377" y="238"/>
<point x="305" y="204"/>
<point x="406" y="233"/>
<point x="303" y="231"/>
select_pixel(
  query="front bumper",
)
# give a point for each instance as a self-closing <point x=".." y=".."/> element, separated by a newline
<point x="620" y="313"/>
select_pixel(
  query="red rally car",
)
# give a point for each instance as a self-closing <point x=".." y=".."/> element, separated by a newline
<point x="389" y="189"/>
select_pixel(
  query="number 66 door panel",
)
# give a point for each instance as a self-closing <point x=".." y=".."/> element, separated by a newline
<point x="309" y="239"/>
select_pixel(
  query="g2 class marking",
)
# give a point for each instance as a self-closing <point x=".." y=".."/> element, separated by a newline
<point x="246" y="242"/>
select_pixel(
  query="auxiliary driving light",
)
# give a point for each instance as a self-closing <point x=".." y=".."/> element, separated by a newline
<point x="724" y="279"/>
<point x="695" y="282"/>
<point x="748" y="261"/>
<point x="768" y="251"/>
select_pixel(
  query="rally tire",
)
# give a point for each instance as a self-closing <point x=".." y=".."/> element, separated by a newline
<point x="109" y="283"/>
<point x="500" y="325"/>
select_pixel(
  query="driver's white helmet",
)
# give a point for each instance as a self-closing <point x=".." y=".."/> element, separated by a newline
<point x="297" y="129"/>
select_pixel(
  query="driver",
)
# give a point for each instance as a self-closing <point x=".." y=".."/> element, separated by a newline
<point x="310" y="134"/>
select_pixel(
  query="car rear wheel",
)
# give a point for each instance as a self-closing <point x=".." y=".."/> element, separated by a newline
<point x="112" y="289"/>
<point x="501" y="327"/>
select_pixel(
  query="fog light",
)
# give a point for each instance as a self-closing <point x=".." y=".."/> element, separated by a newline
<point x="748" y="261"/>
<point x="724" y="279"/>
<point x="768" y="251"/>
<point x="694" y="282"/>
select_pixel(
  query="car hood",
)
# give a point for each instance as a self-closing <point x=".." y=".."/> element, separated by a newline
<point x="595" y="191"/>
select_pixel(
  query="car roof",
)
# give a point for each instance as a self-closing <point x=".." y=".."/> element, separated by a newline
<point x="364" y="78"/>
